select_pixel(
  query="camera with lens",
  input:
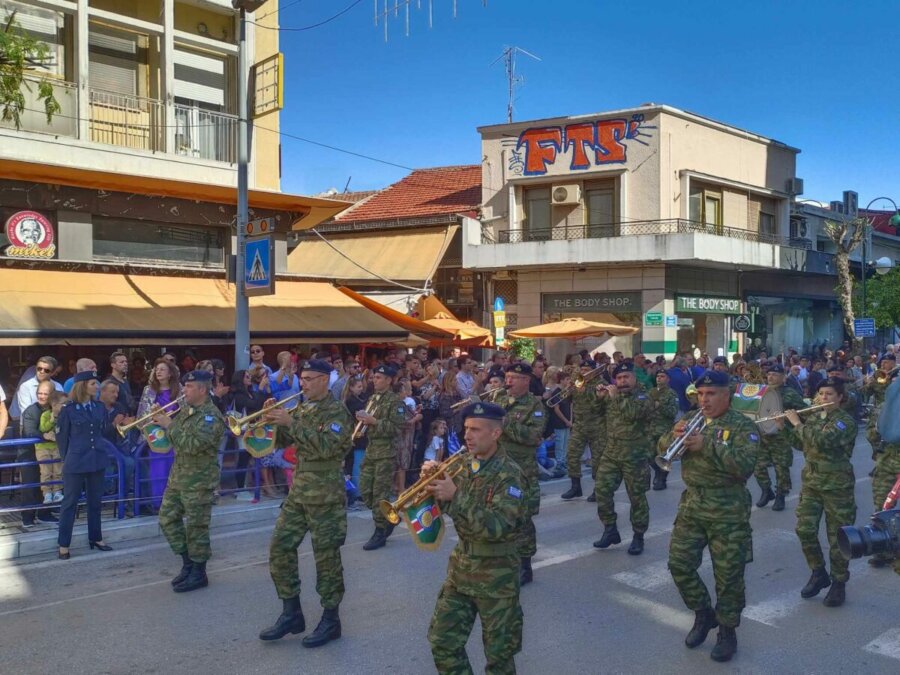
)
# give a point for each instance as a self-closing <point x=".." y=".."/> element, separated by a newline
<point x="882" y="535"/>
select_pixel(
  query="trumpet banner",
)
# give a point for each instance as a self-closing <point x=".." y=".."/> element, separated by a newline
<point x="260" y="441"/>
<point x="157" y="439"/>
<point x="426" y="526"/>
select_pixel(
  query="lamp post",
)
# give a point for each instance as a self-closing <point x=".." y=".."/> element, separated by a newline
<point x="880" y="267"/>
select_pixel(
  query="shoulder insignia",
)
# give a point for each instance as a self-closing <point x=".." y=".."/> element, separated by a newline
<point x="514" y="492"/>
<point x="335" y="427"/>
<point x="840" y="425"/>
<point x="209" y="419"/>
<point x="754" y="438"/>
<point x="538" y="413"/>
<point x="476" y="465"/>
<point x="725" y="435"/>
<point x="400" y="409"/>
<point x="641" y="397"/>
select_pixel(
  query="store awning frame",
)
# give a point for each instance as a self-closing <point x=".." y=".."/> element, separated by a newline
<point x="409" y="323"/>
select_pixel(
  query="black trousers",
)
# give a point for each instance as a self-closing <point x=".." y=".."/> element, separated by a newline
<point x="73" y="483"/>
<point x="29" y="474"/>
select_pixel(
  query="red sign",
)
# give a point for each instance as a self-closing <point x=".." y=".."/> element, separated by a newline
<point x="30" y="236"/>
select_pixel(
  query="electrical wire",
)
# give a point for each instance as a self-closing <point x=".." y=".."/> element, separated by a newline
<point x="281" y="8"/>
<point x="311" y="26"/>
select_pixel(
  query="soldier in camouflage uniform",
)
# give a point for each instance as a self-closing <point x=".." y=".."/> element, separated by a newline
<point x="714" y="512"/>
<point x="320" y="430"/>
<point x="775" y="448"/>
<point x="665" y="410"/>
<point x="887" y="467"/>
<point x="826" y="439"/>
<point x="385" y="419"/>
<point x="877" y="390"/>
<point x="195" y="432"/>
<point x="625" y="457"/>
<point x="587" y="416"/>
<point x="487" y="504"/>
<point x="522" y="434"/>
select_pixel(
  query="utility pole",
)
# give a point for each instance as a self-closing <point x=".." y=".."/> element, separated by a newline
<point x="512" y="80"/>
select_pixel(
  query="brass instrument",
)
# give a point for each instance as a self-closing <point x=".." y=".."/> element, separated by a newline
<point x="236" y="424"/>
<point x="360" y="430"/>
<point x="754" y="374"/>
<point x="818" y="406"/>
<point x="691" y="394"/>
<point x="883" y="377"/>
<point x="480" y="396"/>
<point x="696" y="424"/>
<point x="577" y="384"/>
<point x="143" y="421"/>
<point x="418" y="492"/>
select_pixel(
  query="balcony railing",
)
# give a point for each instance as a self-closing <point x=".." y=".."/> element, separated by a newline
<point x="33" y="118"/>
<point x="205" y="134"/>
<point x="631" y="229"/>
<point x="127" y="121"/>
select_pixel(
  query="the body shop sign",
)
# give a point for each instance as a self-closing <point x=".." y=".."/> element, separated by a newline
<point x="30" y="235"/>
<point x="580" y="303"/>
<point x="701" y="304"/>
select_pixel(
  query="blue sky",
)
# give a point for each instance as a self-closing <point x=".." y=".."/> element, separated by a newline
<point x="819" y="75"/>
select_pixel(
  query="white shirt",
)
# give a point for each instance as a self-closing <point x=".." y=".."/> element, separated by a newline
<point x="27" y="394"/>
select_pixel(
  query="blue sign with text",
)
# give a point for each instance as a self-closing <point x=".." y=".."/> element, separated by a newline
<point x="864" y="328"/>
<point x="259" y="273"/>
<point x="499" y="305"/>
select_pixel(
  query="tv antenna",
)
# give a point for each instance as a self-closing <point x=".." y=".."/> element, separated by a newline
<point x="513" y="80"/>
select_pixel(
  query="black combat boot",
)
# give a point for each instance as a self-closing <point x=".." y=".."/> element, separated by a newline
<point x="389" y="530"/>
<point x="329" y="629"/>
<point x="637" y="544"/>
<point x="766" y="497"/>
<point x="592" y="497"/>
<point x="778" y="504"/>
<point x="726" y="645"/>
<point x="659" y="477"/>
<point x="704" y="621"/>
<point x="377" y="540"/>
<point x="818" y="580"/>
<point x="290" y="621"/>
<point x="196" y="578"/>
<point x="526" y="575"/>
<point x="185" y="569"/>
<point x="836" y="595"/>
<point x="610" y="536"/>
<point x="574" y="491"/>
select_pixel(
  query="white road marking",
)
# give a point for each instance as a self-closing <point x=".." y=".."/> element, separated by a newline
<point x="886" y="644"/>
<point x="647" y="577"/>
<point x="680" y="619"/>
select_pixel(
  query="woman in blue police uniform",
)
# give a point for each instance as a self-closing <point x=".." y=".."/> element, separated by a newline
<point x="79" y="435"/>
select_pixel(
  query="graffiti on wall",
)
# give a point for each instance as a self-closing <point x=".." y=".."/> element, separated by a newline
<point x="589" y="143"/>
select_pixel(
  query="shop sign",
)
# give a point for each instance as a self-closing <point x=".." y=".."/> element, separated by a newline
<point x="742" y="323"/>
<point x="30" y="235"/>
<point x="701" y="304"/>
<point x="653" y="319"/>
<point x="576" y="303"/>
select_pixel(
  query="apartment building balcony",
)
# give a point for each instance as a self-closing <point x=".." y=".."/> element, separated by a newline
<point x="33" y="117"/>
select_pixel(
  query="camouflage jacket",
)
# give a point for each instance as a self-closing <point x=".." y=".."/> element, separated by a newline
<point x="875" y="390"/>
<point x="320" y="431"/>
<point x="196" y="434"/>
<point x="488" y="511"/>
<point x="627" y="415"/>
<point x="665" y="409"/>
<point x="827" y="444"/>
<point x="716" y="475"/>
<point x="390" y="412"/>
<point x="790" y="399"/>
<point x="523" y="429"/>
<point x="586" y="408"/>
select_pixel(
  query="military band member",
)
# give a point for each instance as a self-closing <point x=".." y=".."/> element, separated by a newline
<point x="887" y="468"/>
<point x="775" y="449"/>
<point x="385" y="422"/>
<point x="714" y="512"/>
<point x="624" y="458"/>
<point x="587" y="417"/>
<point x="826" y="439"/>
<point x="665" y="410"/>
<point x="196" y="433"/>
<point x="320" y="430"/>
<point x="487" y="504"/>
<point x="523" y="429"/>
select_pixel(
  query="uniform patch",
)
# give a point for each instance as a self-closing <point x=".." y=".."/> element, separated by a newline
<point x="641" y="397"/>
<point x="538" y="413"/>
<point x="840" y="425"/>
<point x="475" y="465"/>
<point x="335" y="427"/>
<point x="209" y="419"/>
<point x="400" y="410"/>
<point x="514" y="492"/>
<point x="754" y="438"/>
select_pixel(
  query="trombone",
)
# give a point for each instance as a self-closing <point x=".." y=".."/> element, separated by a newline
<point x="467" y="401"/>
<point x="361" y="427"/>
<point x="144" y="420"/>
<point x="696" y="425"/>
<point x="818" y="406"/>
<point x="418" y="492"/>
<point x="236" y="424"/>
<point x="577" y="385"/>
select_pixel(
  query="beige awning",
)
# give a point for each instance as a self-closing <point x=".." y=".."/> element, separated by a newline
<point x="42" y="307"/>
<point x="410" y="256"/>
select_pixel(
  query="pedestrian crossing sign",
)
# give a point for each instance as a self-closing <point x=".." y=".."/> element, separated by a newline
<point x="259" y="267"/>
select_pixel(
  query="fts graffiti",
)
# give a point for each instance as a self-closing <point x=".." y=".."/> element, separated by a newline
<point x="598" y="143"/>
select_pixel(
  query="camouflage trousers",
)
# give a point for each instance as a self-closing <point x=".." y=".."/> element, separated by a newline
<point x="774" y="449"/>
<point x="451" y="624"/>
<point x="730" y="548"/>
<point x="636" y="474"/>
<point x="327" y="524"/>
<point x="582" y="435"/>
<point x="526" y="542"/>
<point x="376" y="478"/>
<point x="839" y="508"/>
<point x="886" y="470"/>
<point x="185" y="513"/>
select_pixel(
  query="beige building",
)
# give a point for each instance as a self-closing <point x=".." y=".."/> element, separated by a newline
<point x="653" y="216"/>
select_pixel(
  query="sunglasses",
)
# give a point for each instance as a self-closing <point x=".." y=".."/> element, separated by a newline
<point x="43" y="370"/>
<point x="256" y="351"/>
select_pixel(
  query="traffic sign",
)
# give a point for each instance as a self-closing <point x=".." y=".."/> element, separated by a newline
<point x="864" y="328"/>
<point x="499" y="305"/>
<point x="653" y="319"/>
<point x="500" y="319"/>
<point x="741" y="323"/>
<point x="260" y="227"/>
<point x="259" y="266"/>
<point x="671" y="321"/>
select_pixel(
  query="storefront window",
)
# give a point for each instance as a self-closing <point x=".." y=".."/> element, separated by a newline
<point x="783" y="323"/>
<point x="117" y="240"/>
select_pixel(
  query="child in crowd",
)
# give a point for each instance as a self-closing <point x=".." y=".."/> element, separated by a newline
<point x="435" y="449"/>
<point x="47" y="451"/>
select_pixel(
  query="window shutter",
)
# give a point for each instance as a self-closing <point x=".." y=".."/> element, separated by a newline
<point x="113" y="59"/>
<point x="200" y="77"/>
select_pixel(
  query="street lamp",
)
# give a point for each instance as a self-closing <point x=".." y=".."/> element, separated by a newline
<point x="879" y="265"/>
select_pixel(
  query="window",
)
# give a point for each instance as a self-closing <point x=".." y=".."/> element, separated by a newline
<point x="705" y="206"/>
<point x="766" y="224"/>
<point x="45" y="25"/>
<point x="115" y="60"/>
<point x="117" y="239"/>
<point x="599" y="204"/>
<point x="537" y="213"/>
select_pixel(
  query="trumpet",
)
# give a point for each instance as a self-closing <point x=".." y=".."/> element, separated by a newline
<point x="418" y="492"/>
<point x="360" y="430"/>
<point x="143" y="421"/>
<point x="578" y="384"/>
<point x="236" y="424"/>
<point x="883" y="377"/>
<point x="817" y="406"/>
<point x="480" y="396"/>
<point x="696" y="425"/>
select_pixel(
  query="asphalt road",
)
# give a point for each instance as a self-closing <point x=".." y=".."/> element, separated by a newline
<point x="588" y="611"/>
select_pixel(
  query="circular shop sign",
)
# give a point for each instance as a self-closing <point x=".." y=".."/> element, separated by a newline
<point x="30" y="235"/>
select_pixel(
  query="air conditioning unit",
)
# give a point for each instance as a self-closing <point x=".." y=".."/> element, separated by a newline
<point x="795" y="186"/>
<point x="566" y="194"/>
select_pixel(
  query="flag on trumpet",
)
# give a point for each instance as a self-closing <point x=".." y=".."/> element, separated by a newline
<point x="425" y="524"/>
<point x="157" y="439"/>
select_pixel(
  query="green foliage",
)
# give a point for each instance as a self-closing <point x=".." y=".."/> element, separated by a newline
<point x="19" y="54"/>
<point x="523" y="348"/>
<point x="882" y="299"/>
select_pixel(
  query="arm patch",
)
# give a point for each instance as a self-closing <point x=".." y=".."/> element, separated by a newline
<point x="335" y="427"/>
<point x="514" y="492"/>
